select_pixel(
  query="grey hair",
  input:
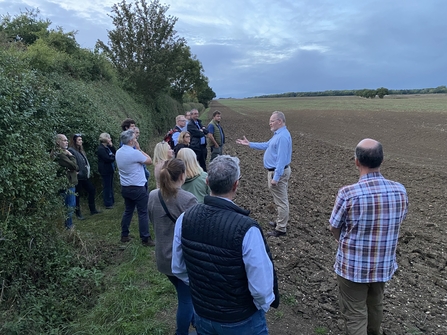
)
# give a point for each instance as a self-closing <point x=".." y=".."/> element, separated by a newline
<point x="280" y="115"/>
<point x="223" y="172"/>
<point x="127" y="136"/>
<point x="104" y="137"/>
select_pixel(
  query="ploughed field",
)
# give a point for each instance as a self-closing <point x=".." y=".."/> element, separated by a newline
<point x="324" y="138"/>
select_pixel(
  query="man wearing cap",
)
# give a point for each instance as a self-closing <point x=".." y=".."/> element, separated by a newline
<point x="277" y="158"/>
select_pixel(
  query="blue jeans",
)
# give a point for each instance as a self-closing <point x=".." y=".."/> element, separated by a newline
<point x="135" y="196"/>
<point x="70" y="203"/>
<point x="185" y="310"/>
<point x="107" y="190"/>
<point x="254" y="325"/>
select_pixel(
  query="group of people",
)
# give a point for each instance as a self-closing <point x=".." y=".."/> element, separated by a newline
<point x="217" y="257"/>
<point x="73" y="160"/>
<point x="189" y="132"/>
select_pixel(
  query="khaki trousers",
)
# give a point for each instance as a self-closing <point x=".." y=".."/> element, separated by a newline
<point x="280" y="198"/>
<point x="361" y="306"/>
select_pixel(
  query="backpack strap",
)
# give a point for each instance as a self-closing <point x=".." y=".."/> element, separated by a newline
<point x="163" y="204"/>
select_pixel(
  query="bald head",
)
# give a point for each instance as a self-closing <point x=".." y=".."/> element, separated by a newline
<point x="369" y="153"/>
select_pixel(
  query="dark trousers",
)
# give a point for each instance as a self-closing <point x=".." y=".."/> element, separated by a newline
<point x="107" y="190"/>
<point x="135" y="196"/>
<point x="201" y="153"/>
<point x="90" y="189"/>
<point x="185" y="310"/>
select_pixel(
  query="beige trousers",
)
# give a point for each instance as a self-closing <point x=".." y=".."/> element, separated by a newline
<point x="280" y="198"/>
<point x="361" y="305"/>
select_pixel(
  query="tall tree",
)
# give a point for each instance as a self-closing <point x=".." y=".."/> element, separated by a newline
<point x="144" y="46"/>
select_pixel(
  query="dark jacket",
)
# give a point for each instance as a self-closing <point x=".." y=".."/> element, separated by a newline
<point x="83" y="164"/>
<point x="196" y="134"/>
<point x="178" y="147"/>
<point x="217" y="276"/>
<point x="106" y="159"/>
<point x="68" y="163"/>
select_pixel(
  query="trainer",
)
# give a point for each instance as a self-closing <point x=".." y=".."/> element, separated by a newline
<point x="223" y="255"/>
<point x="365" y="222"/>
<point x="277" y="158"/>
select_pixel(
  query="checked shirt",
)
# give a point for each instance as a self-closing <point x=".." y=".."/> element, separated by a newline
<point x="369" y="214"/>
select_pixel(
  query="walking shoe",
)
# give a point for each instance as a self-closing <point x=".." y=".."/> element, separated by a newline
<point x="125" y="239"/>
<point x="80" y="217"/>
<point x="273" y="224"/>
<point x="95" y="212"/>
<point x="276" y="233"/>
<point x="109" y="207"/>
<point x="148" y="243"/>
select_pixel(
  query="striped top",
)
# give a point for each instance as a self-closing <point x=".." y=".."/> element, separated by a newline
<point x="369" y="214"/>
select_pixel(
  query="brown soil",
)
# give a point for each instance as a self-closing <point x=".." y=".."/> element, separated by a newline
<point x="323" y="146"/>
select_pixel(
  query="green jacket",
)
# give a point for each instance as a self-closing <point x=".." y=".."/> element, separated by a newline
<point x="217" y="135"/>
<point x="197" y="186"/>
<point x="70" y="165"/>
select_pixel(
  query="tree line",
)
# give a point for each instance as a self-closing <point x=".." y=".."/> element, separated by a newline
<point x="365" y="93"/>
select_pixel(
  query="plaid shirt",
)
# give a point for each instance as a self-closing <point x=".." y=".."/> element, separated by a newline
<point x="369" y="214"/>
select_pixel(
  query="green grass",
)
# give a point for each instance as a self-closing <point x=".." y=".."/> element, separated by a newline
<point x="401" y="103"/>
<point x="321" y="331"/>
<point x="136" y="298"/>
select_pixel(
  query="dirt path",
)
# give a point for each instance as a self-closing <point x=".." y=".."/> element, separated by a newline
<point x="415" y="153"/>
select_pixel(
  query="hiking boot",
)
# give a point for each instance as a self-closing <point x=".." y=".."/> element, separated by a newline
<point x="148" y="243"/>
<point x="125" y="239"/>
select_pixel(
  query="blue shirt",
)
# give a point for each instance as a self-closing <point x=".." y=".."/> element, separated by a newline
<point x="175" y="137"/>
<point x="258" y="266"/>
<point x="131" y="166"/>
<point x="211" y="131"/>
<point x="369" y="214"/>
<point x="278" y="151"/>
<point x="202" y="139"/>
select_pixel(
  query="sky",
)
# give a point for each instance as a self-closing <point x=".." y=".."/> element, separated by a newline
<point x="256" y="47"/>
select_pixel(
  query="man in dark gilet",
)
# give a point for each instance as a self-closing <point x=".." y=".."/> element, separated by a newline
<point x="222" y="254"/>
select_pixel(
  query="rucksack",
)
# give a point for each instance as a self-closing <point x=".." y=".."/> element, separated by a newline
<point x="168" y="137"/>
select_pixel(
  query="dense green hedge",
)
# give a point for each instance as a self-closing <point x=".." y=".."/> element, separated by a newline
<point x="43" y="281"/>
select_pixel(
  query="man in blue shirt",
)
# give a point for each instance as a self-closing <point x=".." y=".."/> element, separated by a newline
<point x="234" y="284"/>
<point x="277" y="158"/>
<point x="133" y="182"/>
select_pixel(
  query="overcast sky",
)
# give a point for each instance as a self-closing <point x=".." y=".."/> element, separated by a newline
<point x="255" y="47"/>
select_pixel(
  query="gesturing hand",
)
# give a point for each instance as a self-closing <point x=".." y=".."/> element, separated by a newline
<point x="244" y="141"/>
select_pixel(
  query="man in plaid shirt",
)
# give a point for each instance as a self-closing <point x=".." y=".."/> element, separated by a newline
<point x="365" y="222"/>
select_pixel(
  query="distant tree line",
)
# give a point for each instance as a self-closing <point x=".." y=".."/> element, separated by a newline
<point x="366" y="93"/>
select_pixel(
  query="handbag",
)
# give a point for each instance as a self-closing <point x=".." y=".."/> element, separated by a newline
<point x="163" y="204"/>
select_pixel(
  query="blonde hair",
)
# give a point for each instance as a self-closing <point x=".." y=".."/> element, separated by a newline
<point x="192" y="166"/>
<point x="181" y="137"/>
<point x="104" y="137"/>
<point x="161" y="152"/>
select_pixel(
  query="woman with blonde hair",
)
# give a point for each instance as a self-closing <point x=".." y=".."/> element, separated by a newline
<point x="183" y="141"/>
<point x="162" y="153"/>
<point x="164" y="206"/>
<point x="195" y="176"/>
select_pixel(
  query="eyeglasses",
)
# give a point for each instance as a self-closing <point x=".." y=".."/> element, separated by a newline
<point x="187" y="135"/>
<point x="78" y="135"/>
<point x="240" y="177"/>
